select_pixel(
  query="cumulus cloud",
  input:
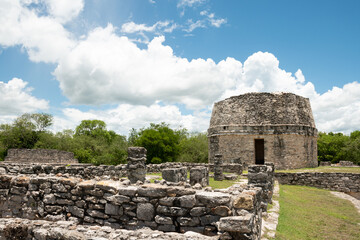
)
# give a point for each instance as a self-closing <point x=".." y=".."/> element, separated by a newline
<point x="124" y="117"/>
<point x="16" y="98"/>
<point x="128" y="74"/>
<point x="64" y="10"/>
<point x="338" y="109"/>
<point x="105" y="68"/>
<point x="42" y="36"/>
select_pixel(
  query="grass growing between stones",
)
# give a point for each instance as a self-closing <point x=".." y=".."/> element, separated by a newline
<point x="311" y="213"/>
<point x="326" y="169"/>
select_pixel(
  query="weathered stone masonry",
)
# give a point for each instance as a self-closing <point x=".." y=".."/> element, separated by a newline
<point x="343" y="182"/>
<point x="89" y="171"/>
<point x="116" y="204"/>
<point x="40" y="156"/>
<point x="259" y="127"/>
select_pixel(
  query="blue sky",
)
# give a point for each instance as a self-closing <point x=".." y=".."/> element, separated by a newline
<point x="132" y="62"/>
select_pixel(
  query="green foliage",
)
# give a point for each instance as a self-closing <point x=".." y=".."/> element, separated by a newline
<point x="194" y="148"/>
<point x="160" y="141"/>
<point x="156" y="160"/>
<point x="24" y="132"/>
<point x="335" y="147"/>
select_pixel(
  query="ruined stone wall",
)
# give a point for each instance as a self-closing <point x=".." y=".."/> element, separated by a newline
<point x="85" y="171"/>
<point x="283" y="120"/>
<point x="227" y="167"/>
<point x="286" y="151"/>
<point x="118" y="204"/>
<point x="40" y="156"/>
<point x="343" y="182"/>
<point x="18" y="228"/>
<point x="88" y="171"/>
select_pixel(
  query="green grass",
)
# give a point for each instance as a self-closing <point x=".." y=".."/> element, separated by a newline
<point x="311" y="213"/>
<point x="212" y="183"/>
<point x="221" y="184"/>
<point x="325" y="169"/>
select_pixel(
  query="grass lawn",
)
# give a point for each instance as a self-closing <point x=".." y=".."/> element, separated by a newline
<point x="311" y="213"/>
<point x="325" y="169"/>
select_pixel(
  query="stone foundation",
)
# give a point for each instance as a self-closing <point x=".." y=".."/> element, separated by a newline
<point x="119" y="205"/>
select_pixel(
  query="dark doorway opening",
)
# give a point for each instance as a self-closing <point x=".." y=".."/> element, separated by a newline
<point x="259" y="151"/>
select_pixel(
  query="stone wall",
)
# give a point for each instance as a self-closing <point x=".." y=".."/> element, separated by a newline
<point x="119" y="205"/>
<point x="40" y="156"/>
<point x="17" y="228"/>
<point x="85" y="171"/>
<point x="283" y="120"/>
<point x="89" y="171"/>
<point x="343" y="182"/>
<point x="227" y="167"/>
<point x="287" y="151"/>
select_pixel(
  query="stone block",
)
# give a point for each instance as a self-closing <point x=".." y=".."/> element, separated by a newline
<point x="213" y="199"/>
<point x="242" y="224"/>
<point x="244" y="201"/>
<point x="145" y="211"/>
<point x="174" y="174"/>
<point x="199" y="175"/>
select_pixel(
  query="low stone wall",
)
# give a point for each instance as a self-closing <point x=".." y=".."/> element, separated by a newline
<point x="17" y="228"/>
<point x="118" y="204"/>
<point x="347" y="164"/>
<point x="85" y="171"/>
<point x="89" y="171"/>
<point x="343" y="182"/>
<point x="230" y="167"/>
<point x="40" y="156"/>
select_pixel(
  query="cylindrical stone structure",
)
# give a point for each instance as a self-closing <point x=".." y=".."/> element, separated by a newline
<point x="136" y="164"/>
<point x="264" y="127"/>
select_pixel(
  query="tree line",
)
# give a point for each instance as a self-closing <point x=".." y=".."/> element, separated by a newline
<point x="334" y="147"/>
<point x="92" y="142"/>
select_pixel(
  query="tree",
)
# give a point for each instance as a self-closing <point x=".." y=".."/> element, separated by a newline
<point x="331" y="147"/>
<point x="95" y="129"/>
<point x="194" y="148"/>
<point x="161" y="142"/>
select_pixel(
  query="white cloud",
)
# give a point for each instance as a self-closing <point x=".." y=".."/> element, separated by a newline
<point x="43" y="37"/>
<point x="216" y="22"/>
<point x="338" y="109"/>
<point x="160" y="26"/>
<point x="193" y="25"/>
<point x="189" y="3"/>
<point x="106" y="68"/>
<point x="16" y="98"/>
<point x="64" y="10"/>
<point x="124" y="117"/>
